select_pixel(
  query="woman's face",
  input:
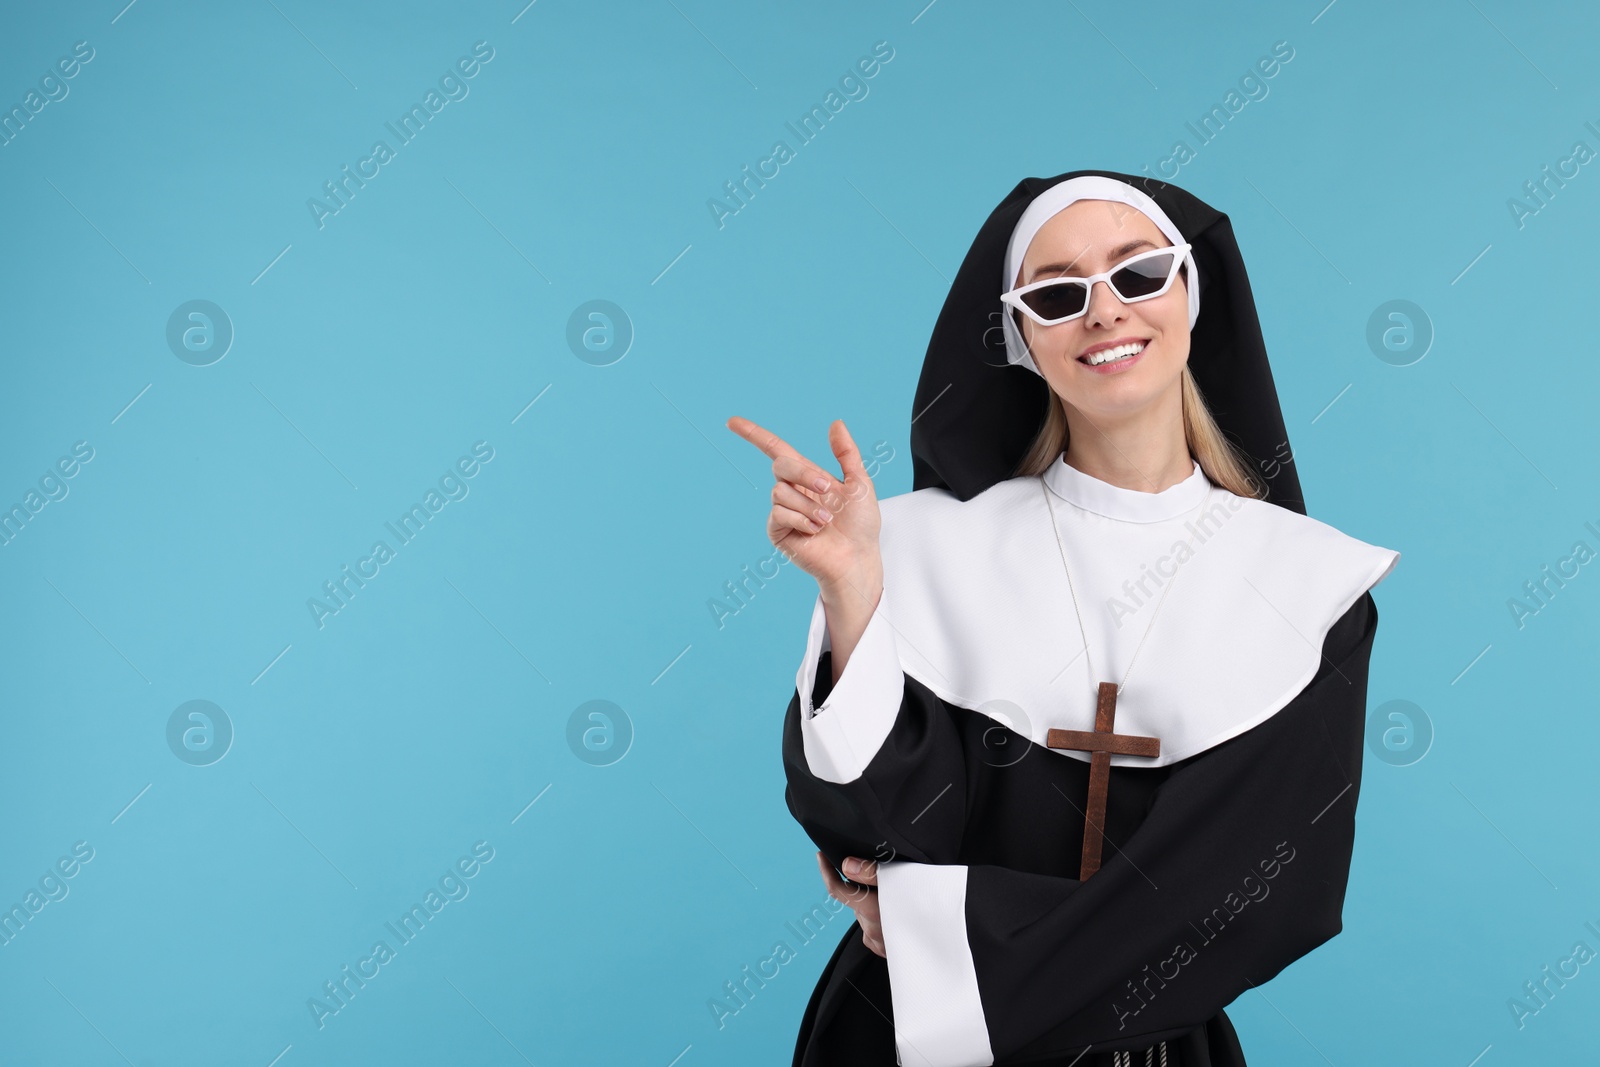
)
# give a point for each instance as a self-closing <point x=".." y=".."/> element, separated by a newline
<point x="1086" y="238"/>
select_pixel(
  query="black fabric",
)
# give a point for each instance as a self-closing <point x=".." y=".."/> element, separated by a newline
<point x="975" y="414"/>
<point x="1055" y="957"/>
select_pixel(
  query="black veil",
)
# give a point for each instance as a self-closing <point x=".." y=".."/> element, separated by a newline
<point x="975" y="414"/>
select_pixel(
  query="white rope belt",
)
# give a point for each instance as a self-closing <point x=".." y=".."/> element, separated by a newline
<point x="1125" y="1059"/>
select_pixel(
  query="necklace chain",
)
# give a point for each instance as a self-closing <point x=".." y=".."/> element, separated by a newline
<point x="1079" y="611"/>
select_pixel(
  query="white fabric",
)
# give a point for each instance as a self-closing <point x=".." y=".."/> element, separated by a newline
<point x="933" y="983"/>
<point x="862" y="707"/>
<point x="976" y="607"/>
<point x="1052" y="202"/>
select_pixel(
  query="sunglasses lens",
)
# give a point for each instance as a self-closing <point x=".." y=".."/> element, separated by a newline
<point x="1058" y="301"/>
<point x="1144" y="277"/>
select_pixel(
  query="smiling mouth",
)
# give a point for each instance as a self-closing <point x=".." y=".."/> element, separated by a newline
<point x="1114" y="354"/>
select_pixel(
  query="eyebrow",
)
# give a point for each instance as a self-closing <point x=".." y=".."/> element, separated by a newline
<point x="1116" y="255"/>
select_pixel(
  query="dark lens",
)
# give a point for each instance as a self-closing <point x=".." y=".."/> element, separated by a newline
<point x="1056" y="301"/>
<point x="1143" y="277"/>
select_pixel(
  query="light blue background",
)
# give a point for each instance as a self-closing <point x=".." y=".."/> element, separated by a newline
<point x="426" y="315"/>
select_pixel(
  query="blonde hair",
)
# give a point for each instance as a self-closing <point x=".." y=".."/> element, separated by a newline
<point x="1222" y="461"/>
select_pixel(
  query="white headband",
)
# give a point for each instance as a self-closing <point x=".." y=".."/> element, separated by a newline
<point x="1050" y="203"/>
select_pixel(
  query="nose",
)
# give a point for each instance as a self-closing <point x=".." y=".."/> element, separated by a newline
<point x="1103" y="305"/>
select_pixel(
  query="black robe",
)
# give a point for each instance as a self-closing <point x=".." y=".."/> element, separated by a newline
<point x="1219" y="870"/>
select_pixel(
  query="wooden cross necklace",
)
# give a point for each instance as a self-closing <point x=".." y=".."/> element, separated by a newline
<point x="1102" y="742"/>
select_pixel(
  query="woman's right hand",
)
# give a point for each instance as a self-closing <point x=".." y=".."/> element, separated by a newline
<point x="828" y="526"/>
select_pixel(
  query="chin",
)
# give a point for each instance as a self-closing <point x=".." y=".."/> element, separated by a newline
<point x="1119" y="394"/>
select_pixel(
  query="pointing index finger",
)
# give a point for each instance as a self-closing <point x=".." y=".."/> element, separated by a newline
<point x="763" y="438"/>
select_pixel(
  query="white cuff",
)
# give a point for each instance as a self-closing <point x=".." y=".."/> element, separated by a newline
<point x="843" y="735"/>
<point x="933" y="984"/>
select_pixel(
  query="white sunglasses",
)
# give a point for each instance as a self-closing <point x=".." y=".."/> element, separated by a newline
<point x="1141" y="277"/>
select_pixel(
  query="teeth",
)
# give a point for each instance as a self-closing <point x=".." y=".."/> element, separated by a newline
<point x="1106" y="355"/>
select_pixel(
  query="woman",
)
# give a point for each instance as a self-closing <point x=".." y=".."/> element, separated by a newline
<point x="1106" y="536"/>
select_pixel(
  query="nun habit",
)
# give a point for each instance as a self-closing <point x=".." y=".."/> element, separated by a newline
<point x="1225" y="857"/>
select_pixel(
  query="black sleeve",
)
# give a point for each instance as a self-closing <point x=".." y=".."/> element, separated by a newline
<point x="905" y="798"/>
<point x="1239" y="869"/>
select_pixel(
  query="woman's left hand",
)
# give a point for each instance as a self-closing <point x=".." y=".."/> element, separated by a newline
<point x="864" y="902"/>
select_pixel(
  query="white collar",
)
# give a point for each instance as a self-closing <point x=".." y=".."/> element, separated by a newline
<point x="976" y="608"/>
<point x="1101" y="497"/>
